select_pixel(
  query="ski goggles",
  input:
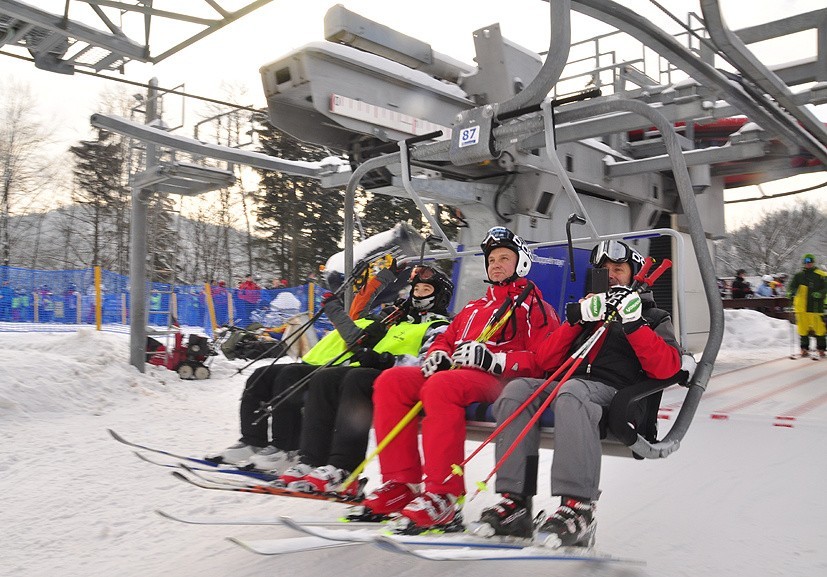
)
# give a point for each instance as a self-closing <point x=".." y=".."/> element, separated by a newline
<point x="496" y="237"/>
<point x="808" y="260"/>
<point x="613" y="250"/>
<point x="421" y="273"/>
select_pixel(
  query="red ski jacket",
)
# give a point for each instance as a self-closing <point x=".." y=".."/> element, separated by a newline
<point x="519" y="337"/>
<point x="619" y="359"/>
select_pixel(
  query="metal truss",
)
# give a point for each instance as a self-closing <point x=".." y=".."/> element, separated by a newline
<point x="93" y="34"/>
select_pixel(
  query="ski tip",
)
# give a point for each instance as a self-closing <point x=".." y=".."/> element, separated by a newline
<point x="166" y="515"/>
<point x="389" y="544"/>
<point x="240" y="543"/>
<point x="291" y="523"/>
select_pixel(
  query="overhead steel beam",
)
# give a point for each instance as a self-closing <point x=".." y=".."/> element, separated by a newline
<point x="146" y="133"/>
<point x="711" y="155"/>
<point x="764" y="114"/>
<point x="71" y="29"/>
<point x="736" y="52"/>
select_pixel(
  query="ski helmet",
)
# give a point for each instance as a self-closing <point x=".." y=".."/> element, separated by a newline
<point x="438" y="301"/>
<point x="808" y="258"/>
<point x="767" y="278"/>
<point x="501" y="237"/>
<point x="616" y="251"/>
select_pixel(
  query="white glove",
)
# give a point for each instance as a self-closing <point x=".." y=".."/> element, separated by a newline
<point x="436" y="361"/>
<point x="630" y="308"/>
<point x="477" y="355"/>
<point x="593" y="308"/>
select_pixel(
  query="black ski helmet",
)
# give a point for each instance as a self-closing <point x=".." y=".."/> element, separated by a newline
<point x="616" y="251"/>
<point x="438" y="301"/>
<point x="501" y="237"/>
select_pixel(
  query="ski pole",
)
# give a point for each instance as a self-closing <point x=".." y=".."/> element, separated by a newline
<point x="499" y="318"/>
<point x="283" y="343"/>
<point x="271" y="405"/>
<point x="641" y="281"/>
<point x="358" y="270"/>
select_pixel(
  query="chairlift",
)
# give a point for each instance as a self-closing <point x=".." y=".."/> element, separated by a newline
<point x="528" y="113"/>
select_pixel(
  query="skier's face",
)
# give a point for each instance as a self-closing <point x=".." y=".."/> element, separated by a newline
<point x="620" y="273"/>
<point x="502" y="262"/>
<point x="422" y="289"/>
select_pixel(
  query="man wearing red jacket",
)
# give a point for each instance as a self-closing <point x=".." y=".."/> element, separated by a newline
<point x="641" y="345"/>
<point x="480" y="370"/>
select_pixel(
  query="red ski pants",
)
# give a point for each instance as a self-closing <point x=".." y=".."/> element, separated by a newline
<point x="444" y="396"/>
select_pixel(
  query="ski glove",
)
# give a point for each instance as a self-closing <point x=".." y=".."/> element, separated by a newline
<point x="370" y="359"/>
<point x="329" y="297"/>
<point x="372" y="334"/>
<point x="594" y="308"/>
<point x="630" y="307"/>
<point x="436" y="361"/>
<point x="477" y="355"/>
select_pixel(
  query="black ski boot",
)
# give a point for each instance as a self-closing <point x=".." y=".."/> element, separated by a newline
<point x="510" y="517"/>
<point x="572" y="525"/>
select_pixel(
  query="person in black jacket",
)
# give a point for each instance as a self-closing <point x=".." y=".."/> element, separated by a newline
<point x="740" y="287"/>
<point x="641" y="345"/>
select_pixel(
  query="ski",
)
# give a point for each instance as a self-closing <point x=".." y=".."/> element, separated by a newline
<point x="430" y="538"/>
<point x="196" y="460"/>
<point x="217" y="520"/>
<point x="289" y="545"/>
<point x="223" y="469"/>
<point x="394" y="545"/>
<point x="267" y="490"/>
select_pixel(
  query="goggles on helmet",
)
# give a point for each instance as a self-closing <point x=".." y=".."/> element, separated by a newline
<point x="496" y="237"/>
<point x="808" y="260"/>
<point x="422" y="273"/>
<point x="613" y="250"/>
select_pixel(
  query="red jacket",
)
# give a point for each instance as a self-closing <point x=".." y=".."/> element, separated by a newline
<point x="528" y="326"/>
<point x="620" y="359"/>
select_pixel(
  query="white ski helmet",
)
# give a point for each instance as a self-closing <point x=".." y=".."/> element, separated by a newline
<point x="501" y="237"/>
<point x="767" y="278"/>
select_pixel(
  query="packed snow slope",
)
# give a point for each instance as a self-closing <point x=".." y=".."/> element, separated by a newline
<point x="744" y="495"/>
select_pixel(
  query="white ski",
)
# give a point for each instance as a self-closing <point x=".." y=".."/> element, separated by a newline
<point x="217" y="520"/>
<point x="500" y="553"/>
<point x="288" y="545"/>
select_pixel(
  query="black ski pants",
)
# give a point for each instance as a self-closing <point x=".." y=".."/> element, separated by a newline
<point x="286" y="420"/>
<point x="338" y="415"/>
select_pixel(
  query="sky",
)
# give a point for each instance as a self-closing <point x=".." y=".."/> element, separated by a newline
<point x="742" y="497"/>
<point x="232" y="56"/>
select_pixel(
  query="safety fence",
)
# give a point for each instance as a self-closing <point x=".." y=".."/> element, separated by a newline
<point x="39" y="300"/>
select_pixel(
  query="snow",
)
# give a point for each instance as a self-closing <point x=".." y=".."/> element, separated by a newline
<point x="742" y="497"/>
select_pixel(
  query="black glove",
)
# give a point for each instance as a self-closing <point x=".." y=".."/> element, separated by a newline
<point x="573" y="314"/>
<point x="329" y="297"/>
<point x="373" y="333"/>
<point x="370" y="359"/>
<point x="396" y="268"/>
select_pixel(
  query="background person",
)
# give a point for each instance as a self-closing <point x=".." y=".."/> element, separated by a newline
<point x="807" y="290"/>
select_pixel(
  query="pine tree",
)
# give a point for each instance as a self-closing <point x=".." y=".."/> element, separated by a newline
<point x="98" y="172"/>
<point x="300" y="222"/>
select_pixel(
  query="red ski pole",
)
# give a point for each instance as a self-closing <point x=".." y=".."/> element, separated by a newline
<point x="641" y="282"/>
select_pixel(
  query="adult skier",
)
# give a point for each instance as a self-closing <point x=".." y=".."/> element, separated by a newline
<point x="641" y="345"/>
<point x="480" y="371"/>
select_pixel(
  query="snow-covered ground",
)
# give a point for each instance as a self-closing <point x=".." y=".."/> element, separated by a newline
<point x="742" y="497"/>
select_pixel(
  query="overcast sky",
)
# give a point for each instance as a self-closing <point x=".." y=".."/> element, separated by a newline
<point x="233" y="55"/>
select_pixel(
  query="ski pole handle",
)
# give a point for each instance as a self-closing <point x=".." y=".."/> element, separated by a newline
<point x="662" y="268"/>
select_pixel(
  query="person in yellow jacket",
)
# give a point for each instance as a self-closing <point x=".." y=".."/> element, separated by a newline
<point x="367" y="344"/>
<point x="808" y="289"/>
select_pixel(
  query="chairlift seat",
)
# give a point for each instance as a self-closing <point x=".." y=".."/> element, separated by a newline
<point x="633" y="411"/>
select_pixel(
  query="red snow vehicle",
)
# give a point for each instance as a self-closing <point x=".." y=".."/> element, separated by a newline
<point x="187" y="361"/>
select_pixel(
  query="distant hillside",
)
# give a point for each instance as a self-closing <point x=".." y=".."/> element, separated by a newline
<point x="62" y="239"/>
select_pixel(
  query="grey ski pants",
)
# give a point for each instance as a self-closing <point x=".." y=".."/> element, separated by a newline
<point x="575" y="469"/>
